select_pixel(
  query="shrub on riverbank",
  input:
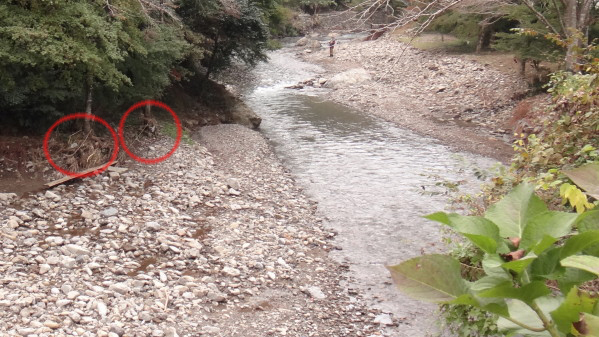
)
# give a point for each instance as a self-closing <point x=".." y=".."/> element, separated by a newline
<point x="568" y="139"/>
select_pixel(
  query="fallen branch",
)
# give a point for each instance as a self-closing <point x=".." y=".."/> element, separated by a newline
<point x="69" y="178"/>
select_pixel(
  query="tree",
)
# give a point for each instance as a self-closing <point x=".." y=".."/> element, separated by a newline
<point x="55" y="57"/>
<point x="573" y="17"/>
<point x="232" y="30"/>
<point x="529" y="42"/>
<point x="51" y="52"/>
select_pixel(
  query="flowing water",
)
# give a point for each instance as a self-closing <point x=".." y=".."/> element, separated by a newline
<point x="373" y="181"/>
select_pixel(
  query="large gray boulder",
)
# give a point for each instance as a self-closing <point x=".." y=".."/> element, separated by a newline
<point x="243" y="115"/>
<point x="348" y="78"/>
<point x="303" y="41"/>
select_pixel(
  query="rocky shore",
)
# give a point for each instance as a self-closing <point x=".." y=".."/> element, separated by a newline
<point x="216" y="241"/>
<point x="461" y="102"/>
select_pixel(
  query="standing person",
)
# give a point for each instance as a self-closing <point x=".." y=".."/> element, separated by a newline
<point x="331" y="46"/>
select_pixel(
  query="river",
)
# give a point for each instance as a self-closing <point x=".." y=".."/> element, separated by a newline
<point x="373" y="181"/>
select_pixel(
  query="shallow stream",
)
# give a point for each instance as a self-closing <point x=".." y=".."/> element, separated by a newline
<point x="373" y="181"/>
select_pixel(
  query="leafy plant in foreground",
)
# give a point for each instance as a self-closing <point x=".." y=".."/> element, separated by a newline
<point x="534" y="266"/>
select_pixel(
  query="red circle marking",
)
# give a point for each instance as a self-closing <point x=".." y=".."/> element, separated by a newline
<point x="160" y="105"/>
<point x="83" y="116"/>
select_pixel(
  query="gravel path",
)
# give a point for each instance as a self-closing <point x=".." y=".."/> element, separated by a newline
<point x="216" y="241"/>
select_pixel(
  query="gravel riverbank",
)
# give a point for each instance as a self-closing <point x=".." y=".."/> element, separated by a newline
<point x="216" y="241"/>
<point x="463" y="103"/>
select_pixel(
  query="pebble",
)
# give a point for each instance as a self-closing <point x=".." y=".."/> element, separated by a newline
<point x="109" y="212"/>
<point x="52" y="324"/>
<point x="77" y="250"/>
<point x="316" y="292"/>
<point x="383" y="319"/>
<point x="44" y="268"/>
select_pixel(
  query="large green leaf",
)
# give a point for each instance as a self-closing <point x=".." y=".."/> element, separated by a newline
<point x="589" y="325"/>
<point x="587" y="178"/>
<point x="526" y="293"/>
<point x="588" y="221"/>
<point x="551" y="223"/>
<point x="569" y="311"/>
<point x="482" y="232"/>
<point x="584" y="262"/>
<point x="579" y="243"/>
<point x="521" y="312"/>
<point x="492" y="267"/>
<point x="520" y="265"/>
<point x="547" y="264"/>
<point x="434" y="278"/>
<point x="486" y="283"/>
<point x="515" y="210"/>
<point x="545" y="243"/>
<point x="495" y="305"/>
<point x="567" y="278"/>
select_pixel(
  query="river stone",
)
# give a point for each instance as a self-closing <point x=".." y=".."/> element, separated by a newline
<point x="7" y="196"/>
<point x="102" y="309"/>
<point x="77" y="250"/>
<point x="44" y="268"/>
<point x="153" y="226"/>
<point x="120" y="288"/>
<point x="171" y="332"/>
<point x="302" y="42"/>
<point x="315" y="44"/>
<point x="383" y="319"/>
<point x="109" y="212"/>
<point x="51" y="324"/>
<point x="13" y="223"/>
<point x="52" y="195"/>
<point x="26" y="331"/>
<point x="316" y="293"/>
<point x="208" y="329"/>
<point x="231" y="271"/>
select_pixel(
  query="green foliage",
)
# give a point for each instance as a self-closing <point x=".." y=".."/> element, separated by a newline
<point x="170" y="129"/>
<point x="52" y="52"/>
<point x="467" y="321"/>
<point x="525" y="246"/>
<point x="274" y="44"/>
<point x="462" y="25"/>
<point x="567" y="139"/>
<point x="528" y="40"/>
<point x="232" y="32"/>
<point x="48" y="50"/>
<point x="279" y="19"/>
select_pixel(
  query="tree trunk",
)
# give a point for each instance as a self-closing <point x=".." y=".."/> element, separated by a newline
<point x="210" y="66"/>
<point x="482" y="36"/>
<point x="147" y="111"/>
<point x="161" y="11"/>
<point x="577" y="21"/>
<point x="87" y="125"/>
<point x="522" y="67"/>
<point x="571" y="22"/>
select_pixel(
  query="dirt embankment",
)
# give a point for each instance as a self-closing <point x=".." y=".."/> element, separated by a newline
<point x="463" y="103"/>
<point x="25" y="168"/>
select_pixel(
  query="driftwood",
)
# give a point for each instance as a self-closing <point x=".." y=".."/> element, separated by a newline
<point x="69" y="178"/>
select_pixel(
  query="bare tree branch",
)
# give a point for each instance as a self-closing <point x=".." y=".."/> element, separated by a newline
<point x="559" y="15"/>
<point x="541" y="17"/>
